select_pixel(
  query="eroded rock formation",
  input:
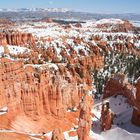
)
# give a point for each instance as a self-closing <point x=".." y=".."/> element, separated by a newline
<point x="84" y="125"/>
<point x="16" y="38"/>
<point x="35" y="93"/>
<point x="117" y="26"/>
<point x="57" y="134"/>
<point x="107" y="117"/>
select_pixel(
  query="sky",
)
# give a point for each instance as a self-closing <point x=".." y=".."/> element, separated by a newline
<point x="94" y="6"/>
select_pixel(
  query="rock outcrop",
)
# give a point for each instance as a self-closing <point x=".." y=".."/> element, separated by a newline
<point x="107" y="117"/>
<point x="35" y="93"/>
<point x="16" y="38"/>
<point x="57" y="134"/>
<point x="116" y="25"/>
<point x="84" y="125"/>
<point x="118" y="85"/>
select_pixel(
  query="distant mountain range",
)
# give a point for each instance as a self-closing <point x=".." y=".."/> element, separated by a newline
<point x="60" y="13"/>
<point x="35" y="10"/>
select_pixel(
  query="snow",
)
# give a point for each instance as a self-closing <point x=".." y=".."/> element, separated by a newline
<point x="118" y="104"/>
<point x="73" y="138"/>
<point x="116" y="133"/>
<point x="50" y="30"/>
<point x="110" y="21"/>
<point x="1" y="50"/>
<point x="90" y="92"/>
<point x="3" y="110"/>
<point x="7" y="131"/>
<point x="58" y="35"/>
<point x="137" y="44"/>
<point x="53" y="66"/>
<point x="80" y="47"/>
<point x="124" y="112"/>
<point x="42" y="66"/>
<point x="136" y="23"/>
<point x="17" y="49"/>
<point x="120" y="131"/>
<point x="73" y="33"/>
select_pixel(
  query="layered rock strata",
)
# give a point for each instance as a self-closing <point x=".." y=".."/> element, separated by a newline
<point x="35" y="95"/>
<point x="84" y="125"/>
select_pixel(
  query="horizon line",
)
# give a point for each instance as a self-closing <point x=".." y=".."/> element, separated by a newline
<point x="70" y="10"/>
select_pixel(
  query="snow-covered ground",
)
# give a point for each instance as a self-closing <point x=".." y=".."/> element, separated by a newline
<point x="111" y="21"/>
<point x="50" y="65"/>
<point x="14" y="50"/>
<point x="117" y="133"/>
<point x="17" y="49"/>
<point x="122" y="128"/>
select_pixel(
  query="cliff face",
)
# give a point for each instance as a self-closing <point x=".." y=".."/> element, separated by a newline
<point x="39" y="96"/>
<point x="119" y="85"/>
<point x="35" y="93"/>
<point x="9" y="77"/>
<point x="84" y="125"/>
<point x="16" y="38"/>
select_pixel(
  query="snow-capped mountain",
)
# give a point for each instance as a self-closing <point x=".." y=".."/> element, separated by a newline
<point x="34" y="10"/>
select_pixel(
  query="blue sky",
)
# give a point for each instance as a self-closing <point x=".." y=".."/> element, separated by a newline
<point x="96" y="6"/>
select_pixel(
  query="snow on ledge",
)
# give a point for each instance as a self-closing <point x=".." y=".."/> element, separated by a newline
<point x="42" y="66"/>
<point x="111" y="21"/>
<point x="17" y="49"/>
<point x="3" y="110"/>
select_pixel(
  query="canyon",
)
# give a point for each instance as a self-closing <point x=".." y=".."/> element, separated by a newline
<point x="52" y="74"/>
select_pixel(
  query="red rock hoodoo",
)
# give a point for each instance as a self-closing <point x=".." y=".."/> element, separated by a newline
<point x="16" y="38"/>
<point x="85" y="118"/>
<point x="106" y="117"/>
<point x="57" y="134"/>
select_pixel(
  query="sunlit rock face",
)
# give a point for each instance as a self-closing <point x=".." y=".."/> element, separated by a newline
<point x="34" y="93"/>
<point x="57" y="134"/>
<point x="16" y="38"/>
<point x="85" y="118"/>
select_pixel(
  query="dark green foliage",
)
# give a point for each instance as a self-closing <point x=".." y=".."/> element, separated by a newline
<point x="115" y="63"/>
